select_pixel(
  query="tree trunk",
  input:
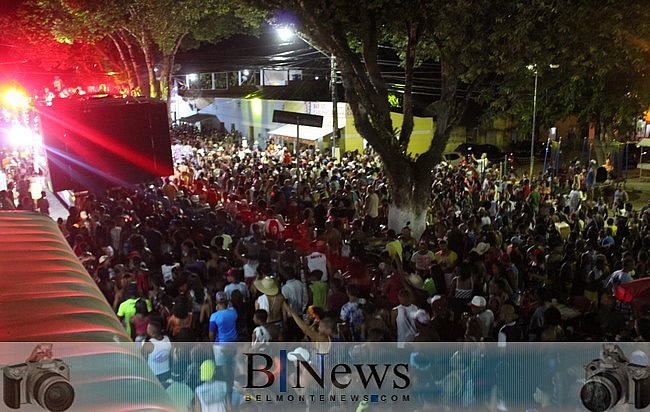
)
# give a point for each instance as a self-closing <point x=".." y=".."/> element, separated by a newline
<point x="410" y="203"/>
<point x="165" y="83"/>
<point x="154" y="86"/>
<point x="166" y="73"/>
<point x="134" y="62"/>
<point x="448" y="114"/>
<point x="411" y="185"/>
<point x="125" y="62"/>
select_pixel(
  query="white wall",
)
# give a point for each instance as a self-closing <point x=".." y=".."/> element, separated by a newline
<point x="258" y="113"/>
<point x="243" y="113"/>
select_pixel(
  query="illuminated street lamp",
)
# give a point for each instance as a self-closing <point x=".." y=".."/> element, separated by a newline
<point x="285" y="34"/>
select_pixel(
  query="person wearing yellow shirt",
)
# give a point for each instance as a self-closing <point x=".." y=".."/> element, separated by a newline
<point x="444" y="257"/>
<point x="394" y="246"/>
<point x="610" y="224"/>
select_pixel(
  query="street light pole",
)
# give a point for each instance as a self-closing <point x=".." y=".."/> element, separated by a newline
<point x="286" y="33"/>
<point x="296" y="151"/>
<point x="335" y="110"/>
<point x="532" y="134"/>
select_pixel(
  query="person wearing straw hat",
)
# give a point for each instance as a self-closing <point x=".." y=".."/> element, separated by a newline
<point x="414" y="283"/>
<point x="212" y="394"/>
<point x="271" y="300"/>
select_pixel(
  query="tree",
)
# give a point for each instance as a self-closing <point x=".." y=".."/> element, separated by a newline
<point x="147" y="33"/>
<point x="27" y="36"/>
<point x="601" y="76"/>
<point x="191" y="22"/>
<point x="470" y="39"/>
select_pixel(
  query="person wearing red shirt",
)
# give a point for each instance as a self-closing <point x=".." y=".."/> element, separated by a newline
<point x="287" y="157"/>
<point x="213" y="197"/>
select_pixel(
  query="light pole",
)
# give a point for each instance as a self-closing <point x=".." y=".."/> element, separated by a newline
<point x="285" y="34"/>
<point x="533" y="67"/>
<point x="532" y="133"/>
<point x="335" y="109"/>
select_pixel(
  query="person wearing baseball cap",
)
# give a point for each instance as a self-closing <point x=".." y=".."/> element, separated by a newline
<point x="478" y="305"/>
<point x="212" y="394"/>
<point x="223" y="322"/>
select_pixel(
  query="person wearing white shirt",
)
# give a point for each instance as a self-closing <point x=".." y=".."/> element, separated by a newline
<point x="292" y="292"/>
<point x="235" y="277"/>
<point x="575" y="197"/>
<point x="260" y="334"/>
<point x="481" y="164"/>
<point x="401" y="317"/>
<point x="317" y="261"/>
<point x="621" y="276"/>
<point x="157" y="352"/>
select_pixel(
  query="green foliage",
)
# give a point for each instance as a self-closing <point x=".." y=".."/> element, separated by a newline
<point x="29" y="34"/>
<point x="604" y="61"/>
<point x="155" y="27"/>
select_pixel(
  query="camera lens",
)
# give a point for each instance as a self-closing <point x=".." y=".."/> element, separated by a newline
<point x="601" y="392"/>
<point x="53" y="392"/>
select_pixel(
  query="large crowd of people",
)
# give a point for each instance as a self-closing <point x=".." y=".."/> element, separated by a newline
<point x="252" y="245"/>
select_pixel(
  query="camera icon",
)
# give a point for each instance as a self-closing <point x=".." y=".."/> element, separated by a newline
<point x="40" y="380"/>
<point x="613" y="380"/>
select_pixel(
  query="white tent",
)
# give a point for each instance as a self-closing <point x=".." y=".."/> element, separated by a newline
<point x="306" y="132"/>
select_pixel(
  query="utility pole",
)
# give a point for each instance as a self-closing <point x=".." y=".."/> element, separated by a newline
<point x="532" y="137"/>
<point x="296" y="150"/>
<point x="335" y="111"/>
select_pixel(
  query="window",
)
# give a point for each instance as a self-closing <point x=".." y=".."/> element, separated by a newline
<point x="205" y="81"/>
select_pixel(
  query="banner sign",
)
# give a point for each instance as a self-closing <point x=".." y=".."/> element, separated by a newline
<point x="170" y="376"/>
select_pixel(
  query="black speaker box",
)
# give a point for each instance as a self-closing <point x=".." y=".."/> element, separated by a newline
<point x="99" y="143"/>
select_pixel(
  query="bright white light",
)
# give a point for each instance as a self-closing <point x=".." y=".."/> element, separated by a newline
<point x="285" y="33"/>
<point x="531" y="67"/>
<point x="316" y="78"/>
<point x="246" y="72"/>
<point x="15" y="98"/>
<point x="20" y="136"/>
<point x="193" y="77"/>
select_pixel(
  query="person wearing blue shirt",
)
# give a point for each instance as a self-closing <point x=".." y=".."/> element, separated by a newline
<point x="223" y="322"/>
<point x="607" y="240"/>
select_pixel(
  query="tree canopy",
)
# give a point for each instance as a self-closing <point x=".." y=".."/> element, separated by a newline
<point x="602" y="57"/>
<point x="137" y="37"/>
